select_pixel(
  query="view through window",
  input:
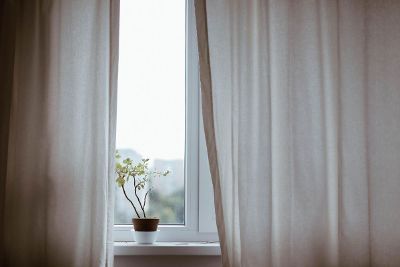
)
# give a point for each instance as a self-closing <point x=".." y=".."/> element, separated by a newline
<point x="151" y="103"/>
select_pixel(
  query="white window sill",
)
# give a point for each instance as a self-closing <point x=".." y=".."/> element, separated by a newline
<point x="167" y="248"/>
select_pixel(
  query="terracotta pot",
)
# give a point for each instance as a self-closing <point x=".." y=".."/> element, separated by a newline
<point x="145" y="224"/>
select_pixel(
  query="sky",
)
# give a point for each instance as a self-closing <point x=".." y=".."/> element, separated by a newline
<point x="151" y="79"/>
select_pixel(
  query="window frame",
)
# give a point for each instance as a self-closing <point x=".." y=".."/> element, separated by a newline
<point x="199" y="212"/>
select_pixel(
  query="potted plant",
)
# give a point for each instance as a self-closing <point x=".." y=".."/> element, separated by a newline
<point x="139" y="175"/>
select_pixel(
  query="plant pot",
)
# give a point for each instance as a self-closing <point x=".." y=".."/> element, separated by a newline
<point x="145" y="237"/>
<point x="145" y="230"/>
<point x="145" y="224"/>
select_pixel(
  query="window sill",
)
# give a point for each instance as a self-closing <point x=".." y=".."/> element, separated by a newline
<point x="167" y="248"/>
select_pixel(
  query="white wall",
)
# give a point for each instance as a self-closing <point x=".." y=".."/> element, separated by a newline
<point x="167" y="261"/>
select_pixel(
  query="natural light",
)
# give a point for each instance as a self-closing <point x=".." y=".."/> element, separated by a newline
<point x="151" y="100"/>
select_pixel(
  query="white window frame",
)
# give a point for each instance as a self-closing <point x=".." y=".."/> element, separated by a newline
<point x="199" y="210"/>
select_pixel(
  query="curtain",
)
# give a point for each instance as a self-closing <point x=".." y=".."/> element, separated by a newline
<point x="301" y="105"/>
<point x="57" y="134"/>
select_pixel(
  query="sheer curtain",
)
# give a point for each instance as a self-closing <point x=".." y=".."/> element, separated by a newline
<point x="57" y="132"/>
<point x="301" y="104"/>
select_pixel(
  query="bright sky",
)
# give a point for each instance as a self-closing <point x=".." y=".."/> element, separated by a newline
<point x="151" y="82"/>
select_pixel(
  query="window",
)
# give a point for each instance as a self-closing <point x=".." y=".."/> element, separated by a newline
<point x="151" y="101"/>
<point x="159" y="118"/>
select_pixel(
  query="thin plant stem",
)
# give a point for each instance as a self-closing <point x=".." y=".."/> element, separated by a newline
<point x="145" y="198"/>
<point x="137" y="197"/>
<point x="123" y="189"/>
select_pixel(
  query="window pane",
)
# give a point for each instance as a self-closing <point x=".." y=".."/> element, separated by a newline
<point x="151" y="102"/>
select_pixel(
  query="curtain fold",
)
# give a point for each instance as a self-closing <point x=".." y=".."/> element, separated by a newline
<point x="208" y="120"/>
<point x="60" y="133"/>
<point x="7" y="44"/>
<point x="301" y="101"/>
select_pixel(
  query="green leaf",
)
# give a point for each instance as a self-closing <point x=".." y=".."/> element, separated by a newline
<point x="120" y="181"/>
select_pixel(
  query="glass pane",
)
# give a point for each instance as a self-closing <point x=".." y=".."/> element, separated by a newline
<point x="151" y="103"/>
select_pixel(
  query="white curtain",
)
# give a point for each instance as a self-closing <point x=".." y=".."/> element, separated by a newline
<point x="301" y="102"/>
<point x="57" y="134"/>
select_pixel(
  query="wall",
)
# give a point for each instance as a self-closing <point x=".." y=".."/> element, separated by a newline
<point x="167" y="261"/>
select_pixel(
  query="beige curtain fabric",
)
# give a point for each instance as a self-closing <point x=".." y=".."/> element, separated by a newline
<point x="58" y="132"/>
<point x="302" y="108"/>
